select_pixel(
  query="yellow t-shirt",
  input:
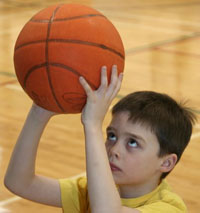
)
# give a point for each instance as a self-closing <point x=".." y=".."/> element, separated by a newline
<point x="162" y="200"/>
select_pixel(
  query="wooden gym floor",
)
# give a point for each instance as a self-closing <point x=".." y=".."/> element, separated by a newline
<point x="162" y="43"/>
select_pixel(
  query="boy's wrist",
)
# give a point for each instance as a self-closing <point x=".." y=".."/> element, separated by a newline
<point x="93" y="134"/>
<point x="92" y="125"/>
<point x="93" y="128"/>
<point x="39" y="114"/>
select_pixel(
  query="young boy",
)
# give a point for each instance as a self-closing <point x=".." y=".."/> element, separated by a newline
<point x="145" y="139"/>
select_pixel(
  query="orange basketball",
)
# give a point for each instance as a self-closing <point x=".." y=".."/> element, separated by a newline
<point x="59" y="44"/>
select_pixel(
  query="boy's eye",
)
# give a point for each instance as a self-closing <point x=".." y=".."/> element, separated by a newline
<point x="133" y="143"/>
<point x="111" y="137"/>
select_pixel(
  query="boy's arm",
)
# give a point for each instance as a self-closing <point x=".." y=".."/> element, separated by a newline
<point x="103" y="193"/>
<point x="20" y="176"/>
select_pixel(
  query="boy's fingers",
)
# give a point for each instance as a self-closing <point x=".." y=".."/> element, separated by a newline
<point x="85" y="85"/>
<point x="112" y="89"/>
<point x="115" y="82"/>
<point x="118" y="86"/>
<point x="121" y="77"/>
<point x="114" y="75"/>
<point x="104" y="79"/>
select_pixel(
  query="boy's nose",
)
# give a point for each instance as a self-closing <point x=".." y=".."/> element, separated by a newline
<point x="115" y="150"/>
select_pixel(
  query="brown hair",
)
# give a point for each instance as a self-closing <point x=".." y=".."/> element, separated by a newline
<point x="169" y="121"/>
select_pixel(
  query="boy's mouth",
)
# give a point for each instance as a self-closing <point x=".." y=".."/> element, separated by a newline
<point x="114" y="168"/>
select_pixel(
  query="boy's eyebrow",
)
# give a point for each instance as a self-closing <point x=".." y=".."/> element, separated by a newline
<point x="109" y="128"/>
<point x="136" y="137"/>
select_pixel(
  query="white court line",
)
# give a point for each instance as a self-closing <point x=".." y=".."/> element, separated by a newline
<point x="14" y="87"/>
<point x="3" y="210"/>
<point x="196" y="135"/>
<point x="154" y="28"/>
<point x="197" y="126"/>
<point x="9" y="200"/>
<point x="155" y="19"/>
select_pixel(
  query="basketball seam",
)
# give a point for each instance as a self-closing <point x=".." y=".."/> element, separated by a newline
<point x="73" y="71"/>
<point x="72" y="41"/>
<point x="32" y="69"/>
<point x="67" y="19"/>
<point x="47" y="58"/>
<point x="63" y="66"/>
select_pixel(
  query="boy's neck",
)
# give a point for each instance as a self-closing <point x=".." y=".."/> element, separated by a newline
<point x="135" y="191"/>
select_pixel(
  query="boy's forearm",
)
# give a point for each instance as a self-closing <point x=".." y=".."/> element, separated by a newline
<point x="103" y="193"/>
<point x="21" y="167"/>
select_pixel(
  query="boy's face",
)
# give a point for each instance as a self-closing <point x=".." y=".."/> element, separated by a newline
<point x="132" y="151"/>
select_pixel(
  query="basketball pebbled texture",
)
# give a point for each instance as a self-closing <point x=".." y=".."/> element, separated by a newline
<point x="59" y="44"/>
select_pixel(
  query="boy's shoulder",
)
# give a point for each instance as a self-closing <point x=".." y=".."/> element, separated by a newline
<point x="162" y="199"/>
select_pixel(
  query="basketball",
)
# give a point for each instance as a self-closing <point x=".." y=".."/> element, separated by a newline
<point x="57" y="46"/>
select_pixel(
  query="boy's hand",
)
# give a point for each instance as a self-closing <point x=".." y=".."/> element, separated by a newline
<point x="99" y="101"/>
<point x="40" y="112"/>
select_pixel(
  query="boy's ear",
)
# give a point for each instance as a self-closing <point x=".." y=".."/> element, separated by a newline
<point x="168" y="162"/>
